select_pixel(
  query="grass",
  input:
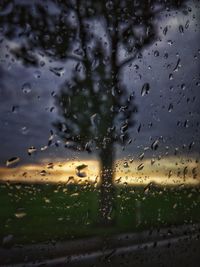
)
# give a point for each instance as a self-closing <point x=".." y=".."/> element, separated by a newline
<point x="38" y="213"/>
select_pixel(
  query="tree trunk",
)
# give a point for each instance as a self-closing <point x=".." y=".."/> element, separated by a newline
<point x="107" y="190"/>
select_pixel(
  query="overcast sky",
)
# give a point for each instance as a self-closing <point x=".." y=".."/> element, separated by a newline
<point x="172" y="105"/>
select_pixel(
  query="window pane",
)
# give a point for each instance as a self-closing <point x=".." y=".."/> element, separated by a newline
<point x="99" y="118"/>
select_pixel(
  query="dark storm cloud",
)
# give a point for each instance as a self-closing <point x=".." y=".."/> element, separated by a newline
<point x="173" y="102"/>
<point x="171" y="108"/>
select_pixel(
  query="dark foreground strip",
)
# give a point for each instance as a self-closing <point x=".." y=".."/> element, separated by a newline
<point x="108" y="254"/>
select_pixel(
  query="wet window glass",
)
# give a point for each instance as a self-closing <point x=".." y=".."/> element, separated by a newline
<point x="99" y="132"/>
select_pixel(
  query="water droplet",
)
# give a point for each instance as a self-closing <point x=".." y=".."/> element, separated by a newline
<point x="78" y="67"/>
<point x="59" y="40"/>
<point x="178" y="65"/>
<point x="170" y="42"/>
<point x="81" y="174"/>
<point x="43" y="173"/>
<point x="20" y="215"/>
<point x="31" y="150"/>
<point x="79" y="169"/>
<point x="187" y="24"/>
<point x="47" y="200"/>
<point x="15" y="109"/>
<point x="181" y="29"/>
<point x="125" y="164"/>
<point x="165" y="30"/>
<point x="156" y="53"/>
<point x="170" y="108"/>
<point x="58" y="71"/>
<point x="95" y="120"/>
<point x="37" y="74"/>
<point x="145" y="89"/>
<point x="50" y="165"/>
<point x="124" y="127"/>
<point x="186" y="124"/>
<point x="139" y="128"/>
<point x="12" y="161"/>
<point x="42" y="63"/>
<point x="26" y="88"/>
<point x="141" y="156"/>
<point x="166" y="55"/>
<point x="183" y="86"/>
<point x="24" y="130"/>
<point x="154" y="145"/>
<point x="148" y="187"/>
<point x="140" y="167"/>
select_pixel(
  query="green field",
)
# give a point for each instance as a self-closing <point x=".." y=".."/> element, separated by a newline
<point x="36" y="213"/>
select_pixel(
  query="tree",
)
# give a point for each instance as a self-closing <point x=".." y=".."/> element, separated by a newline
<point x="100" y="39"/>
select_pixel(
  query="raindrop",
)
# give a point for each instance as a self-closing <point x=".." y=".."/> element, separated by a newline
<point x="139" y="128"/>
<point x="37" y="74"/>
<point x="186" y="125"/>
<point x="24" y="130"/>
<point x="145" y="89"/>
<point x="20" y="215"/>
<point x="26" y="88"/>
<point x="42" y="63"/>
<point x="31" y="150"/>
<point x="15" y="109"/>
<point x="12" y="161"/>
<point x="183" y="86"/>
<point x="181" y="29"/>
<point x="154" y="145"/>
<point x="170" y="173"/>
<point x="125" y="164"/>
<point x="148" y="187"/>
<point x="50" y="165"/>
<point x="187" y="24"/>
<point x="81" y="174"/>
<point x="194" y="173"/>
<point x="141" y="156"/>
<point x="88" y="147"/>
<point x="43" y="173"/>
<point x="191" y="145"/>
<point x="166" y="55"/>
<point x="156" y="53"/>
<point x="95" y="120"/>
<point x="47" y="200"/>
<point x="171" y="77"/>
<point x="170" y="108"/>
<point x="58" y="71"/>
<point x="78" y="67"/>
<point x="79" y="169"/>
<point x="170" y="42"/>
<point x="177" y="65"/>
<point x="140" y="167"/>
<point x="59" y="40"/>
<point x="165" y="30"/>
<point x="124" y="127"/>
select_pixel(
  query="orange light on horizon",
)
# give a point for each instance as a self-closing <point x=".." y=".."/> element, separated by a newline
<point x="128" y="172"/>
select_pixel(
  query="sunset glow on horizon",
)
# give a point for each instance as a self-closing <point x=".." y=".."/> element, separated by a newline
<point x="166" y="171"/>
